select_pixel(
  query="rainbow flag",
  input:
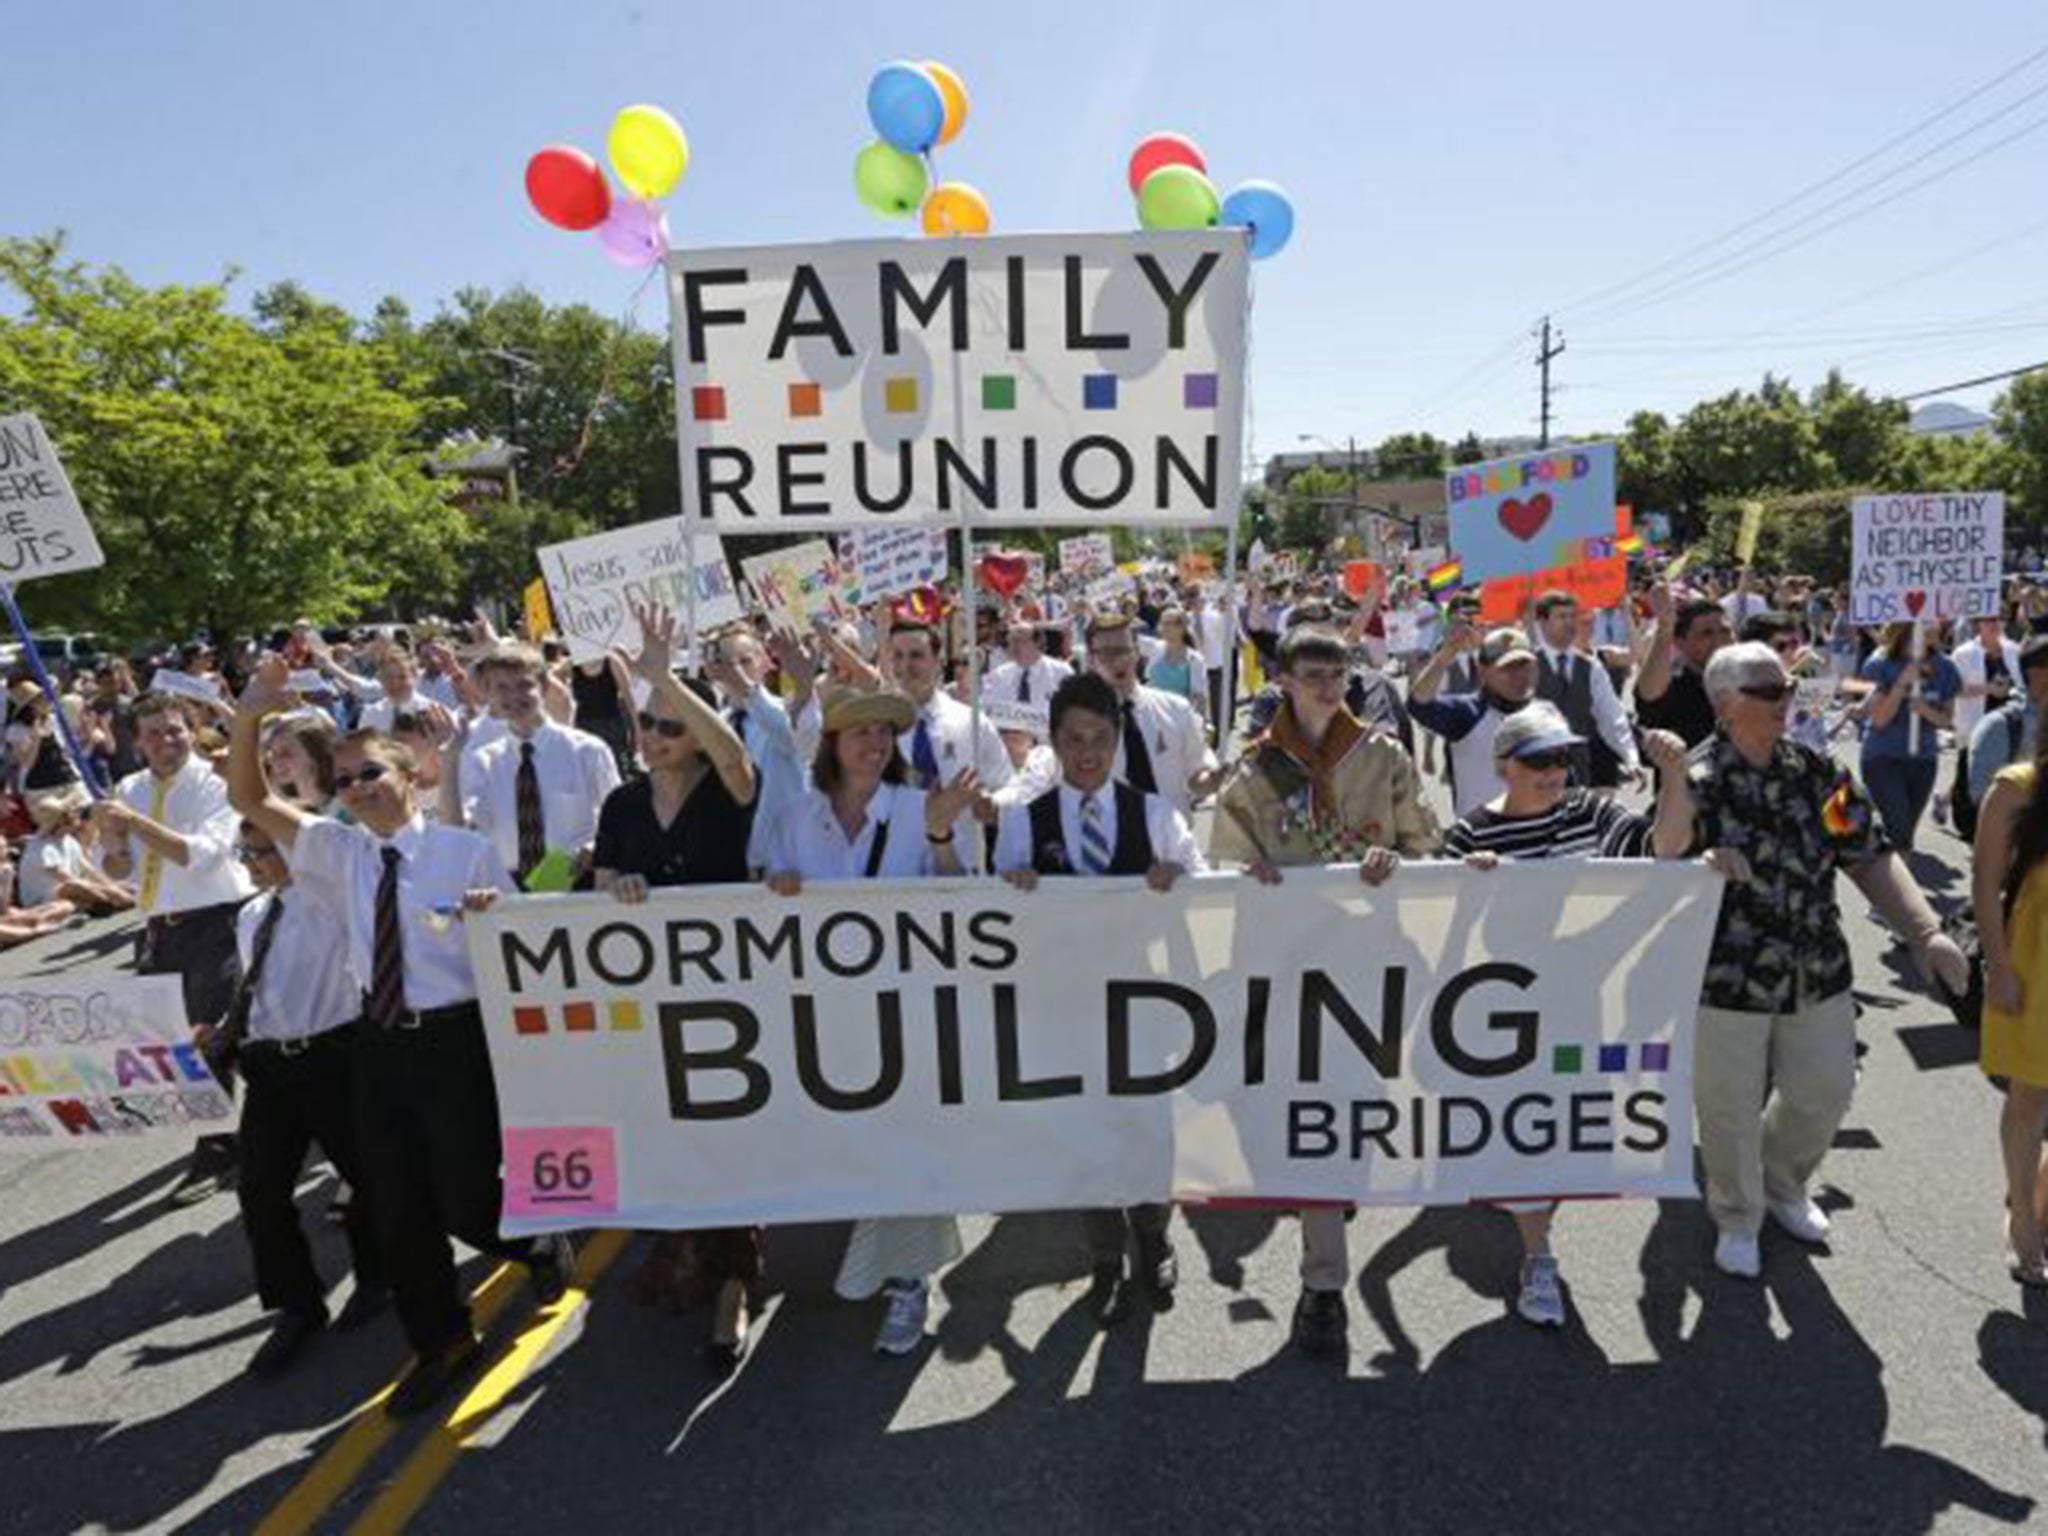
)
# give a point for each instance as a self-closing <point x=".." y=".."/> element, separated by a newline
<point x="1630" y="544"/>
<point x="1450" y="574"/>
<point x="1846" y="813"/>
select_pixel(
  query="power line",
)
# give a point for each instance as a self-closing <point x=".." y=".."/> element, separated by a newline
<point x="1807" y="191"/>
<point x="1989" y="378"/>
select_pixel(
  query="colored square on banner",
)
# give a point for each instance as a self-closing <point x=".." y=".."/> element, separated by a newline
<point x="1566" y="1060"/>
<point x="707" y="402"/>
<point x="900" y="396"/>
<point x="568" y="1171"/>
<point x="806" y="400"/>
<point x="580" y="1017"/>
<point x="625" y="1016"/>
<point x="1198" y="392"/>
<point x="1656" y="1056"/>
<point x="530" y="1021"/>
<point x="1613" y="1058"/>
<point x="999" y="392"/>
<point x="1098" y="392"/>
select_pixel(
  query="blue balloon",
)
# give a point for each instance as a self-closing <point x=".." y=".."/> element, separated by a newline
<point x="1264" y="209"/>
<point x="906" y="107"/>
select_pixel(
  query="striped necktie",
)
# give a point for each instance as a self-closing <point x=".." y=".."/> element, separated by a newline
<point x="153" y="862"/>
<point x="527" y="814"/>
<point x="387" y="950"/>
<point x="1094" y="837"/>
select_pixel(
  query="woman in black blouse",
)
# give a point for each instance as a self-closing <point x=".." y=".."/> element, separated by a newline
<point x="685" y="823"/>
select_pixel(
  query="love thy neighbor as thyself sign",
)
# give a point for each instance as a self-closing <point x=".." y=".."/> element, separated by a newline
<point x="1038" y="379"/>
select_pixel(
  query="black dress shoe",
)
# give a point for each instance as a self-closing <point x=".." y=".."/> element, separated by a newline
<point x="288" y="1335"/>
<point x="549" y="1266"/>
<point x="1158" y="1265"/>
<point x="1321" y="1324"/>
<point x="722" y="1357"/>
<point x="430" y="1377"/>
<point x="1109" y="1295"/>
<point x="365" y="1302"/>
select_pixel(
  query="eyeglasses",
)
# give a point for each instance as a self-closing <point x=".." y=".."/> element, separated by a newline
<point x="1768" y="693"/>
<point x="369" y="773"/>
<point x="249" y="853"/>
<point x="1545" y="762"/>
<point x="672" y="730"/>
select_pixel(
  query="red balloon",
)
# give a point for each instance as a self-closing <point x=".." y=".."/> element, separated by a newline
<point x="567" y="188"/>
<point x="1159" y="149"/>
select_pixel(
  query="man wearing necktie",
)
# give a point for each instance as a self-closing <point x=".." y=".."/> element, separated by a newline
<point x="943" y="740"/>
<point x="1573" y="679"/>
<point x="1029" y="676"/>
<point x="1090" y="825"/>
<point x="1162" y="747"/>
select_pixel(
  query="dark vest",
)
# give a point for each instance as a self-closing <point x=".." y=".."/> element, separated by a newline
<point x="1574" y="699"/>
<point x="1131" y="856"/>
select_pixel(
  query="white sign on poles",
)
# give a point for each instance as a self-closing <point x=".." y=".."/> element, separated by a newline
<point x="1924" y="557"/>
<point x="726" y="1056"/>
<point x="595" y="583"/>
<point x="1010" y="382"/>
<point x="887" y="562"/>
<point x="1088" y="555"/>
<point x="43" y="531"/>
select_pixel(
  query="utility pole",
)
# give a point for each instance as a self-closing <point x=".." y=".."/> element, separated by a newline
<point x="1545" y="352"/>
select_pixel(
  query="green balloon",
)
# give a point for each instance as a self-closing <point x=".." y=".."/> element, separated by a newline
<point x="1178" y="197"/>
<point x="889" y="181"/>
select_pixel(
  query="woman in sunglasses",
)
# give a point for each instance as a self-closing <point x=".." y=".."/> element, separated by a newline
<point x="1540" y="816"/>
<point x="686" y="823"/>
<point x="1899" y="770"/>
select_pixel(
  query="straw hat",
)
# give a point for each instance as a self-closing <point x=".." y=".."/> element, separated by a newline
<point x="848" y="707"/>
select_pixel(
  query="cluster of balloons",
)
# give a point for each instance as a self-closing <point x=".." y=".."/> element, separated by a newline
<point x="915" y="108"/>
<point x="1170" y="179"/>
<point x="648" y="154"/>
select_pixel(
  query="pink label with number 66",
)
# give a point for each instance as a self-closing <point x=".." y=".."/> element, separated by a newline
<point x="561" y="1171"/>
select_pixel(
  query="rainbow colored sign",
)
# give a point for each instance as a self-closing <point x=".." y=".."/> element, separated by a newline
<point x="1530" y="513"/>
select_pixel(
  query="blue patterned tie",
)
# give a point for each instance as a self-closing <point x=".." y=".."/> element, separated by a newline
<point x="1094" y="840"/>
<point x="922" y="757"/>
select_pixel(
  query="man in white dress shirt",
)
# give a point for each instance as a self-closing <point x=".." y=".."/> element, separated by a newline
<point x="1090" y="825"/>
<point x="1578" y="684"/>
<point x="539" y="786"/>
<point x="1163" y="749"/>
<point x="1029" y="676"/>
<point x="943" y="740"/>
<point x="399" y="679"/>
<point x="170" y="830"/>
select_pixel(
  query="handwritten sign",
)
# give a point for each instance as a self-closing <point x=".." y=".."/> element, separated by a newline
<point x="1599" y="582"/>
<point x="1531" y="513"/>
<point x="185" y="685"/>
<point x="881" y="563"/>
<point x="1007" y="715"/>
<point x="1088" y="555"/>
<point x="43" y="531"/>
<point x="797" y="585"/>
<point x="1925" y="557"/>
<point x="596" y="582"/>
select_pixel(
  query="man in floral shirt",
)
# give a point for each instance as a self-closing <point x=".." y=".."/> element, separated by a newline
<point x="1776" y="1017"/>
<point x="1321" y="788"/>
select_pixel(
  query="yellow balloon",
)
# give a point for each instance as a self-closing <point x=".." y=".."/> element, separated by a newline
<point x="955" y="208"/>
<point x="953" y="91"/>
<point x="648" y="151"/>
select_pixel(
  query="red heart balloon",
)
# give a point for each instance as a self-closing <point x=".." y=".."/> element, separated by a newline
<point x="1525" y="519"/>
<point x="1003" y="573"/>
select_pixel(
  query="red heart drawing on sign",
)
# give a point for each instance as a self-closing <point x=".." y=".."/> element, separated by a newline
<point x="1525" y="519"/>
<point x="1003" y="573"/>
<point x="1915" y="601"/>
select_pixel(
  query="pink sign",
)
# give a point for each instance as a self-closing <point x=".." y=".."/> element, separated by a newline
<point x="570" y="1171"/>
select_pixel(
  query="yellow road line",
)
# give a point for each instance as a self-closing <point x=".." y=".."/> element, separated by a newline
<point x="416" y="1481"/>
<point x="329" y="1477"/>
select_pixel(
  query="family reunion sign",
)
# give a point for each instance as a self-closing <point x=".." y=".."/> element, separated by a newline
<point x="1531" y="513"/>
<point x="727" y="1056"/>
<point x="102" y="1061"/>
<point x="43" y="531"/>
<point x="1924" y="557"/>
<point x="597" y="582"/>
<point x="1020" y="381"/>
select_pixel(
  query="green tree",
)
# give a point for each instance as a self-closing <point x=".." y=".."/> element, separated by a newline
<point x="1646" y="464"/>
<point x="1409" y="456"/>
<point x="237" y="471"/>
<point x="2020" y="466"/>
<point x="1469" y="450"/>
<point x="1861" y="434"/>
<point x="1314" y="501"/>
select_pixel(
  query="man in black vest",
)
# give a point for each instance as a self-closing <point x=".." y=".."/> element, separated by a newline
<point x="1088" y="824"/>
<point x="1573" y="679"/>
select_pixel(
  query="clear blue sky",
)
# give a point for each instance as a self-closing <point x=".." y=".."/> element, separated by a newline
<point x="1456" y="169"/>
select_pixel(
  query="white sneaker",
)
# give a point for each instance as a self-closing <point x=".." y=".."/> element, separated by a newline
<point x="1541" y="1302"/>
<point x="903" y="1324"/>
<point x="1737" y="1254"/>
<point x="1802" y="1219"/>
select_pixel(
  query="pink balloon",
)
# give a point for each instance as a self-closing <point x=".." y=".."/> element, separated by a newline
<point x="1159" y="149"/>
<point x="634" y="233"/>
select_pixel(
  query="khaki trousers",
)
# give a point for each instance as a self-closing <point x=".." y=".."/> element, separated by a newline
<point x="1805" y="1062"/>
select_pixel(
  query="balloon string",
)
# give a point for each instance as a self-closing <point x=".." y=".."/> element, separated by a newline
<point x="571" y="461"/>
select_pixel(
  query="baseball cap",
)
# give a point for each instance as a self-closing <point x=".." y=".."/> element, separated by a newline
<point x="1533" y="728"/>
<point x="1504" y="646"/>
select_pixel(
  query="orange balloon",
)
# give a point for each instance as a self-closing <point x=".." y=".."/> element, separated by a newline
<point x="955" y="208"/>
<point x="953" y="91"/>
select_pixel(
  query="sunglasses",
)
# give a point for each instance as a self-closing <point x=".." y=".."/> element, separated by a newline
<point x="672" y="730"/>
<point x="370" y="773"/>
<point x="1544" y="762"/>
<point x="249" y="853"/>
<point x="1768" y="693"/>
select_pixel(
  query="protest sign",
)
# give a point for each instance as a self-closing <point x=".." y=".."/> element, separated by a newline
<point x="185" y="685"/>
<point x="1601" y="582"/>
<point x="1404" y="632"/>
<point x="1747" y="535"/>
<point x="1924" y="557"/>
<point x="1194" y="567"/>
<point x="1530" y="513"/>
<point x="43" y="531"/>
<point x="102" y="1061"/>
<point x="794" y="586"/>
<point x="1010" y="715"/>
<point x="1364" y="578"/>
<point x="1017" y="381"/>
<point x="730" y="1056"/>
<point x="879" y="563"/>
<point x="536" y="617"/>
<point x="1088" y="555"/>
<point x="596" y="582"/>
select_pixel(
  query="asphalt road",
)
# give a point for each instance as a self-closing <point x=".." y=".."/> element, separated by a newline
<point x="1898" y="1382"/>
